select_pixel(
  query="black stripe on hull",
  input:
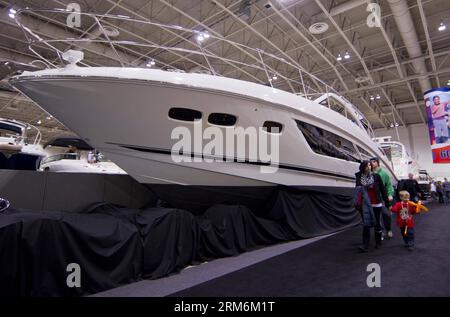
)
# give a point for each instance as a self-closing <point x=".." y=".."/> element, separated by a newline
<point x="236" y="160"/>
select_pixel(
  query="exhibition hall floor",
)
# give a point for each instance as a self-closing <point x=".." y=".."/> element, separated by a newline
<point x="330" y="266"/>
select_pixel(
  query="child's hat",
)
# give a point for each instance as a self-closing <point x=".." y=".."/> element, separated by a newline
<point x="404" y="194"/>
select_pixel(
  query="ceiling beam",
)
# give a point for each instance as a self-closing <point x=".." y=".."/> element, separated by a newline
<point x="305" y="38"/>
<point x="427" y="35"/>
<point x="393" y="82"/>
<point x="361" y="60"/>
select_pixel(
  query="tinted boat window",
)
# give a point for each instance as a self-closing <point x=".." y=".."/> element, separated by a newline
<point x="222" y="119"/>
<point x="334" y="105"/>
<point x="184" y="114"/>
<point x="272" y="127"/>
<point x="8" y="128"/>
<point x="365" y="155"/>
<point x="326" y="143"/>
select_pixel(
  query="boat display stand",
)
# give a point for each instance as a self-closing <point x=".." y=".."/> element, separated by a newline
<point x="115" y="231"/>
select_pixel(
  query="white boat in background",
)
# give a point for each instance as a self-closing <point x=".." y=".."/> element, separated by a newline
<point x="402" y="162"/>
<point x="73" y="155"/>
<point x="425" y="181"/>
<point x="130" y="114"/>
<point x="16" y="152"/>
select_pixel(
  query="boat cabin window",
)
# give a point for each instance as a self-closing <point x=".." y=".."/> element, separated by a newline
<point x="395" y="151"/>
<point x="366" y="126"/>
<point x="335" y="105"/>
<point x="326" y="143"/>
<point x="184" y="114"/>
<point x="7" y="130"/>
<point x="364" y="154"/>
<point x="387" y="151"/>
<point x="59" y="157"/>
<point x="222" y="119"/>
<point x="272" y="127"/>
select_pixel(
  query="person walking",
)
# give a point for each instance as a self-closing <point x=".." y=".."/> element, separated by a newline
<point x="446" y="189"/>
<point x="433" y="191"/>
<point x="440" y="192"/>
<point x="412" y="187"/>
<point x="386" y="180"/>
<point x="369" y="197"/>
<point x="405" y="211"/>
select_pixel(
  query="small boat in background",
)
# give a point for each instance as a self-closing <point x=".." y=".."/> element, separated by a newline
<point x="70" y="154"/>
<point x="402" y="162"/>
<point x="16" y="152"/>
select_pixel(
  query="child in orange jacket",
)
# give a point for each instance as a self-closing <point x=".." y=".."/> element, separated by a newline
<point x="405" y="210"/>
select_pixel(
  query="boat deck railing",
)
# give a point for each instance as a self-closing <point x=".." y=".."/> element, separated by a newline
<point x="23" y="136"/>
<point x="197" y="50"/>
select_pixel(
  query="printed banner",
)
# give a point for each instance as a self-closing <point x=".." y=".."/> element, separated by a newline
<point x="437" y="103"/>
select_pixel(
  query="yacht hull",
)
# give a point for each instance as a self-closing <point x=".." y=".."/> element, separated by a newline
<point x="128" y="121"/>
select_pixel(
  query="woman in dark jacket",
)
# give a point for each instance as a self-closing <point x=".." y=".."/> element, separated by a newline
<point x="369" y="196"/>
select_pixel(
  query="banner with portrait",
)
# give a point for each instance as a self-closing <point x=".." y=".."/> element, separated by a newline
<point x="437" y="103"/>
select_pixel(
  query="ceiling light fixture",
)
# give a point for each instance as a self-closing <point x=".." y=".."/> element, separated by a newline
<point x="347" y="55"/>
<point x="151" y="63"/>
<point x="12" y="13"/>
<point x="39" y="122"/>
<point x="339" y="58"/>
<point x="372" y="98"/>
<point x="274" y="77"/>
<point x="442" y="27"/>
<point x="378" y="97"/>
<point x="200" y="38"/>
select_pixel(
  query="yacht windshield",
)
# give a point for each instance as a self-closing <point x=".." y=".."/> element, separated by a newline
<point x="335" y="105"/>
<point x="59" y="157"/>
<point x="393" y="151"/>
<point x="345" y="108"/>
<point x="8" y="130"/>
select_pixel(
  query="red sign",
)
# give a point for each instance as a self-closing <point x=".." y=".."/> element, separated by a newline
<point x="441" y="155"/>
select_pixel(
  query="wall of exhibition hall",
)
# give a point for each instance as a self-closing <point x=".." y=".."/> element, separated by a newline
<point x="417" y="142"/>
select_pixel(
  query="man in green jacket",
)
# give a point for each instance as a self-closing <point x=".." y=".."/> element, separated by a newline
<point x="387" y="215"/>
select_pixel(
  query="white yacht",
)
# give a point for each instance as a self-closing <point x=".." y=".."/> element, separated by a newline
<point x="131" y="115"/>
<point x="69" y="154"/>
<point x="16" y="152"/>
<point x="402" y="162"/>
